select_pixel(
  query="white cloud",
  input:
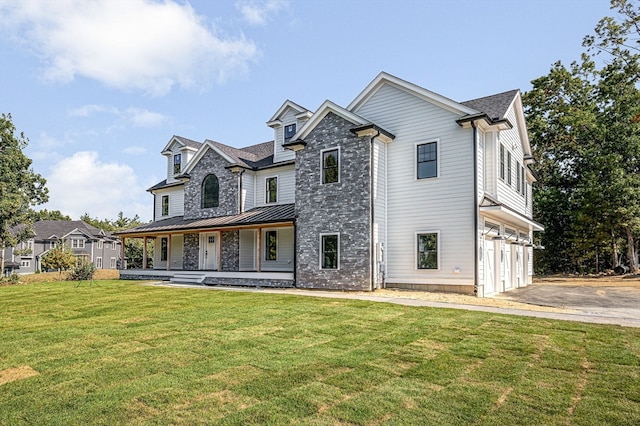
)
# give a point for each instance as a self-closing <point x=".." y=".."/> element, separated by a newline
<point x="259" y="12"/>
<point x="139" y="117"/>
<point x="83" y="184"/>
<point x="135" y="150"/>
<point x="130" y="45"/>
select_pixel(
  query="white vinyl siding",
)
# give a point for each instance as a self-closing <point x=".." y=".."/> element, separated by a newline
<point x="286" y="176"/>
<point x="247" y="250"/>
<point x="176" y="202"/>
<point x="379" y="202"/>
<point x="176" y="251"/>
<point x="280" y="153"/>
<point x="248" y="190"/>
<point x="445" y="203"/>
<point x="508" y="193"/>
<point x="285" y="250"/>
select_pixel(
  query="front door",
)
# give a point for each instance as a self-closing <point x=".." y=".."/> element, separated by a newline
<point x="210" y="252"/>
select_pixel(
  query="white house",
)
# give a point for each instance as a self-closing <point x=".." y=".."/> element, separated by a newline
<point x="401" y="188"/>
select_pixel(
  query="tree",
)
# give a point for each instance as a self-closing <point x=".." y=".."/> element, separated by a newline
<point x="60" y="258"/>
<point x="20" y="187"/>
<point x="45" y="214"/>
<point x="585" y="129"/>
<point x="133" y="250"/>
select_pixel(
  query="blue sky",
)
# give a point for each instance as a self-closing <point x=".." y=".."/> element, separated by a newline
<point x="99" y="87"/>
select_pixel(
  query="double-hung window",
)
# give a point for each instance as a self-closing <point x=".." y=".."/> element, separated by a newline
<point x="427" y="252"/>
<point x="164" y="247"/>
<point x="331" y="165"/>
<point x="77" y="243"/>
<point x="289" y="131"/>
<point x="165" y="205"/>
<point x="98" y="263"/>
<point x="177" y="164"/>
<point x="427" y="160"/>
<point x="329" y="251"/>
<point x="272" y="190"/>
<point x="271" y="245"/>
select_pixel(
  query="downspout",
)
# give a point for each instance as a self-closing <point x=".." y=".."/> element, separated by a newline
<point x="372" y="217"/>
<point x="475" y="208"/>
<point x="240" y="209"/>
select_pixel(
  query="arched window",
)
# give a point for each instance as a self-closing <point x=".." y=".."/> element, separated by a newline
<point x="210" y="191"/>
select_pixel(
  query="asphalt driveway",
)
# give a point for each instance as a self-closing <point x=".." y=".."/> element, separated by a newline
<point x="615" y="302"/>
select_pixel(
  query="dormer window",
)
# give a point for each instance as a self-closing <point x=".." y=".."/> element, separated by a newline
<point x="177" y="164"/>
<point x="289" y="131"/>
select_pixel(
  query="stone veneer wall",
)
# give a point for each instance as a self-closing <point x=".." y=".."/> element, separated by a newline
<point x="191" y="254"/>
<point x="230" y="242"/>
<point x="342" y="207"/>
<point x="210" y="163"/>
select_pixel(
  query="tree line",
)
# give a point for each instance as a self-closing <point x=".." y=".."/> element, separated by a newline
<point x="584" y="126"/>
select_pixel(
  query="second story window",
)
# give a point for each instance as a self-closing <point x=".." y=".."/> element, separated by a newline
<point x="77" y="243"/>
<point x="177" y="164"/>
<point x="272" y="190"/>
<point x="427" y="160"/>
<point x="331" y="166"/>
<point x="99" y="244"/>
<point x="210" y="192"/>
<point x="289" y="131"/>
<point x="165" y="205"/>
<point x="509" y="167"/>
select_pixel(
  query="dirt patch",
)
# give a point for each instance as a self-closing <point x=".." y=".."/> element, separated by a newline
<point x="18" y="373"/>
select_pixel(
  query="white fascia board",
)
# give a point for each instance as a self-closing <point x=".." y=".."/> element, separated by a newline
<point x="78" y="230"/>
<point x="167" y="149"/>
<point x="427" y="95"/>
<point x="203" y="149"/>
<point x="522" y="125"/>
<point x="327" y="107"/>
<point x="287" y="104"/>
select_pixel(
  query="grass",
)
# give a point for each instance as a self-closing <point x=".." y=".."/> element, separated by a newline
<point x="123" y="353"/>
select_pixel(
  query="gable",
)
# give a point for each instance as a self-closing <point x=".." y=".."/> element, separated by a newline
<point x="327" y="107"/>
<point x="206" y="147"/>
<point x="288" y="108"/>
<point x="383" y="79"/>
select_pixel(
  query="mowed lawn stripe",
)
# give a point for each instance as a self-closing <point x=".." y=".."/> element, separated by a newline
<point x="124" y="353"/>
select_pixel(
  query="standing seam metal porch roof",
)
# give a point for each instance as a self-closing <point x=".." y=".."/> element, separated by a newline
<point x="255" y="216"/>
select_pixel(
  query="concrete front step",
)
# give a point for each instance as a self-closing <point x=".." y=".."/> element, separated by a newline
<point x="188" y="278"/>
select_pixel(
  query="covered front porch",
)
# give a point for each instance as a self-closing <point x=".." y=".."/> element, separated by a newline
<point x="254" y="248"/>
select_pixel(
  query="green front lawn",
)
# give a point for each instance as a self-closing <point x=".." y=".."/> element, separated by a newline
<point x="123" y="353"/>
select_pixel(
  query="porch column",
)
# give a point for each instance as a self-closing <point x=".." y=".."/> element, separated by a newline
<point x="144" y="252"/>
<point x="122" y="264"/>
<point x="259" y="249"/>
<point x="169" y="252"/>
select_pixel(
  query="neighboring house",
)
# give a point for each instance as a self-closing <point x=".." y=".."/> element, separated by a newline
<point x="402" y="188"/>
<point x="86" y="242"/>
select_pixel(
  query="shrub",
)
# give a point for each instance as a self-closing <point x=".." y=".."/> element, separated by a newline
<point x="82" y="272"/>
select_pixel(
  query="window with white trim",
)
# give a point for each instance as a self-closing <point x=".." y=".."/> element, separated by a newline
<point x="112" y="263"/>
<point x="114" y="246"/>
<point x="271" y="245"/>
<point x="25" y="263"/>
<point x="329" y="251"/>
<point x="427" y="250"/>
<point x="509" y="167"/>
<point x="427" y="160"/>
<point x="164" y="248"/>
<point x="98" y="263"/>
<point x="330" y="161"/>
<point x="165" y="205"/>
<point x="77" y="243"/>
<point x="99" y="244"/>
<point x="271" y="189"/>
<point x="289" y="131"/>
<point x="177" y="164"/>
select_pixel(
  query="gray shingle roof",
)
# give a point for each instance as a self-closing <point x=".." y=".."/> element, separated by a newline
<point x="250" y="156"/>
<point x="495" y="106"/>
<point x="188" y="142"/>
<point x="45" y="229"/>
<point x="255" y="216"/>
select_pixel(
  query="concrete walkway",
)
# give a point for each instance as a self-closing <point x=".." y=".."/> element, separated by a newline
<point x="624" y="317"/>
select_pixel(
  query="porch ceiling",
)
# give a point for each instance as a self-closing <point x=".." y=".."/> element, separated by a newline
<point x="260" y="215"/>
